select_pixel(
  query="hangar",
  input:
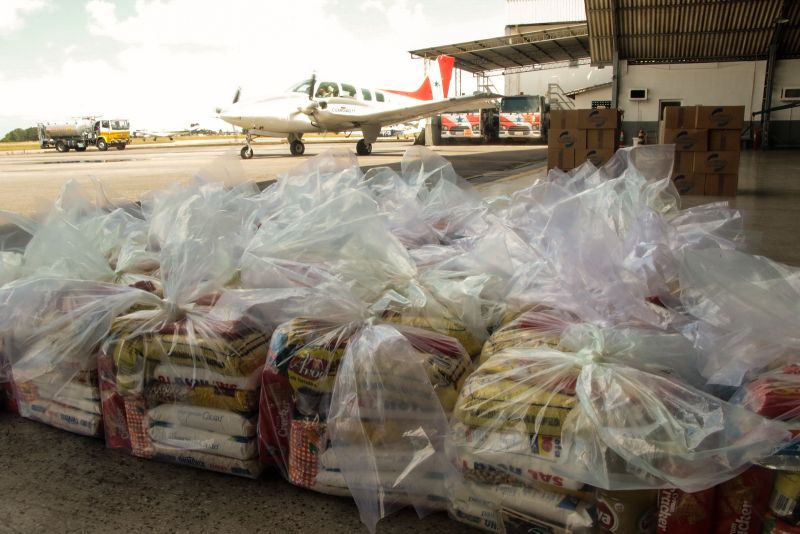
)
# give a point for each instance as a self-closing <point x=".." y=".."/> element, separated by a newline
<point x="646" y="55"/>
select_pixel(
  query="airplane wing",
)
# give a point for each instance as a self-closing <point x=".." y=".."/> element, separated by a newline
<point x="411" y="113"/>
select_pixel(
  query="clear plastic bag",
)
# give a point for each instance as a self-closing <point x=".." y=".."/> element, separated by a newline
<point x="360" y="408"/>
<point x="15" y="232"/>
<point x="54" y="329"/>
<point x="747" y="311"/>
<point x="559" y="404"/>
<point x="180" y="381"/>
<point x="449" y="204"/>
<point x="774" y="394"/>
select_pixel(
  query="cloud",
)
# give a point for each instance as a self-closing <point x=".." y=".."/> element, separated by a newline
<point x="13" y="13"/>
<point x="175" y="61"/>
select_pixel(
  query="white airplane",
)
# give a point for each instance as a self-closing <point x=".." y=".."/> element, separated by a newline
<point x="332" y="106"/>
<point x="155" y="134"/>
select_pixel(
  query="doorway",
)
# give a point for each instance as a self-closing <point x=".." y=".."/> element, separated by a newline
<point x="663" y="105"/>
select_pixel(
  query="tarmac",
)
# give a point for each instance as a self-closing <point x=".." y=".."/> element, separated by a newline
<point x="53" y="481"/>
<point x="30" y="182"/>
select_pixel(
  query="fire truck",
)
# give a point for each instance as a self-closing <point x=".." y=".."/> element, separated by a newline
<point x="523" y="117"/>
<point x="84" y="132"/>
<point x="461" y="124"/>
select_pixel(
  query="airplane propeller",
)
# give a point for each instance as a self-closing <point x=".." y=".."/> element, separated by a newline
<point x="313" y="105"/>
<point x="311" y="87"/>
<point x="236" y="96"/>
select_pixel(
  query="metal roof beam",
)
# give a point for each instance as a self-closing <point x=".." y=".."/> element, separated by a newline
<point x="568" y="54"/>
<point x="683" y="34"/>
<point x="669" y="4"/>
<point x="577" y="30"/>
<point x="522" y="53"/>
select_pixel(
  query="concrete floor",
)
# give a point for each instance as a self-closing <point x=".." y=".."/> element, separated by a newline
<point x="769" y="199"/>
<point x="52" y="481"/>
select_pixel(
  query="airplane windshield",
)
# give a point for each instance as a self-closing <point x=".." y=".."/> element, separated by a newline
<point x="301" y="87"/>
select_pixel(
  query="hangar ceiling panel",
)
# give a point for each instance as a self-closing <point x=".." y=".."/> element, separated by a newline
<point x="675" y="31"/>
<point x="554" y="45"/>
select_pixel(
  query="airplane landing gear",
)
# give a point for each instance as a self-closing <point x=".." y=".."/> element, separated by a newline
<point x="297" y="147"/>
<point x="247" y="150"/>
<point x="363" y="148"/>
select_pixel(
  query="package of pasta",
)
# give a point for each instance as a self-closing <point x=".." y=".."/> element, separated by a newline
<point x="776" y="394"/>
<point x="609" y="407"/>
<point x="360" y="409"/>
<point x="54" y="330"/>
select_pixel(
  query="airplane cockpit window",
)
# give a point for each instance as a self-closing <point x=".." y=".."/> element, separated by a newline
<point x="301" y="87"/>
<point x="348" y="90"/>
<point x="366" y="94"/>
<point x="327" y="90"/>
<point x="379" y="96"/>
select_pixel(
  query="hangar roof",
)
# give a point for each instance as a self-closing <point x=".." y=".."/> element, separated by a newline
<point x="553" y="45"/>
<point x="691" y="31"/>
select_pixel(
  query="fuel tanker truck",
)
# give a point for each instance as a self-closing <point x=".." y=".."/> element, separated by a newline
<point x="84" y="132"/>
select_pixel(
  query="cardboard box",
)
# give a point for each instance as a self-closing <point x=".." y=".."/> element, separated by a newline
<point x="564" y="119"/>
<point x="725" y="185"/>
<point x="690" y="183"/>
<point x="686" y="140"/>
<point x="679" y="117"/>
<point x="598" y="119"/>
<point x="566" y="138"/>
<point x="724" y="140"/>
<point x="600" y="138"/>
<point x="598" y="156"/>
<point x="717" y="162"/>
<point x="562" y="158"/>
<point x="720" y="117"/>
<point x="683" y="163"/>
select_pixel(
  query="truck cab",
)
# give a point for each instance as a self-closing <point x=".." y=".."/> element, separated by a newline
<point x="112" y="132"/>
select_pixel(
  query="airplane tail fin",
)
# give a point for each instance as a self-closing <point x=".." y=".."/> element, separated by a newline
<point x="436" y="84"/>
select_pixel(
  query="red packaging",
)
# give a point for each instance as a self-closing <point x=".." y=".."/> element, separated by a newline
<point x="774" y="396"/>
<point x="685" y="513"/>
<point x="773" y="525"/>
<point x="742" y="502"/>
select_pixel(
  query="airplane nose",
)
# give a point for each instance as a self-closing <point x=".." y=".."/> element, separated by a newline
<point x="230" y="117"/>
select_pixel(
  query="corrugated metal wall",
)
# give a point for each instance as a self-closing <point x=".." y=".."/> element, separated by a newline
<point x="544" y="11"/>
<point x="688" y="30"/>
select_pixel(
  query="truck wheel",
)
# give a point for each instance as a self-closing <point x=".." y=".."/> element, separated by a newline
<point x="102" y="145"/>
<point x="61" y="146"/>
<point x="120" y="147"/>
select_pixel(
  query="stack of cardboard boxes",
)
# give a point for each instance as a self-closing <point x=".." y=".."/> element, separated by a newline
<point x="578" y="135"/>
<point x="707" y="142"/>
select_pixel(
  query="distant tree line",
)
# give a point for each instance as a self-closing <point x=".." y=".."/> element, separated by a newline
<point x="21" y="134"/>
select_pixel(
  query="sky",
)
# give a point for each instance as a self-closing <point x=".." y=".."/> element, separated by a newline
<point x="165" y="64"/>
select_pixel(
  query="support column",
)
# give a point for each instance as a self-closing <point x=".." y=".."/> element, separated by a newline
<point x="614" y="54"/>
<point x="768" y="84"/>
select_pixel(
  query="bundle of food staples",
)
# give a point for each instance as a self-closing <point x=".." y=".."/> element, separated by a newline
<point x="577" y="406"/>
<point x="15" y="232"/>
<point x="55" y="330"/>
<point x="178" y="382"/>
<point x="315" y="372"/>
